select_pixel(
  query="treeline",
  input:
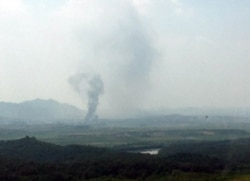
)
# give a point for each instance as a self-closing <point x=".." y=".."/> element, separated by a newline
<point x="234" y="154"/>
<point x="29" y="159"/>
<point x="119" y="166"/>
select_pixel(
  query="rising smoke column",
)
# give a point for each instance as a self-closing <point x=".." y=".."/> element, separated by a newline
<point x="92" y="86"/>
<point x="117" y="43"/>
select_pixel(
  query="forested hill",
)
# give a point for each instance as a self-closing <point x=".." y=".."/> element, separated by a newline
<point x="234" y="153"/>
<point x="29" y="148"/>
<point x="30" y="159"/>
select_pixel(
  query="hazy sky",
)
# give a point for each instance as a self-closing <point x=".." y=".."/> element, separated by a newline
<point x="150" y="54"/>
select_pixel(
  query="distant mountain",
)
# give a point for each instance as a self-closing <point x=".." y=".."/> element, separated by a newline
<point x="39" y="110"/>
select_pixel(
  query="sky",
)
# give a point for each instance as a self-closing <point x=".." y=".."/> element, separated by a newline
<point x="150" y="55"/>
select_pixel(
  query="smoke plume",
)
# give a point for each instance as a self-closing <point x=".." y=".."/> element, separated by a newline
<point x="92" y="86"/>
<point x="118" y="45"/>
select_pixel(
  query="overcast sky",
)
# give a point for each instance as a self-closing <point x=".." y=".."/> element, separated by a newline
<point x="150" y="54"/>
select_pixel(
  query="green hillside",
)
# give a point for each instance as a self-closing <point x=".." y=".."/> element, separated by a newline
<point x="31" y="159"/>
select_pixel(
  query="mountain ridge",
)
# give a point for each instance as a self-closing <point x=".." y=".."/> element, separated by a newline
<point x="40" y="110"/>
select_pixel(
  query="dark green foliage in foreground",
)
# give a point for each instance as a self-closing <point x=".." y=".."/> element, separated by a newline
<point x="120" y="168"/>
<point x="235" y="154"/>
<point x="29" y="159"/>
<point x="31" y="149"/>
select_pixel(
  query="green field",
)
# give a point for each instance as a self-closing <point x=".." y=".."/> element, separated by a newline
<point x="117" y="136"/>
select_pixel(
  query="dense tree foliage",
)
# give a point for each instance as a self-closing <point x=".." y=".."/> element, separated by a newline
<point x="29" y="159"/>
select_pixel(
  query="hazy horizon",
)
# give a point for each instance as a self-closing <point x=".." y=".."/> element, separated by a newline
<point x="144" y="113"/>
<point x="150" y="55"/>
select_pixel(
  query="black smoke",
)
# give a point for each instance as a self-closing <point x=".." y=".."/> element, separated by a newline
<point x="92" y="86"/>
<point x="118" y="45"/>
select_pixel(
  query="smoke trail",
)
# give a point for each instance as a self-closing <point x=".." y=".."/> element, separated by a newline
<point x="91" y="85"/>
